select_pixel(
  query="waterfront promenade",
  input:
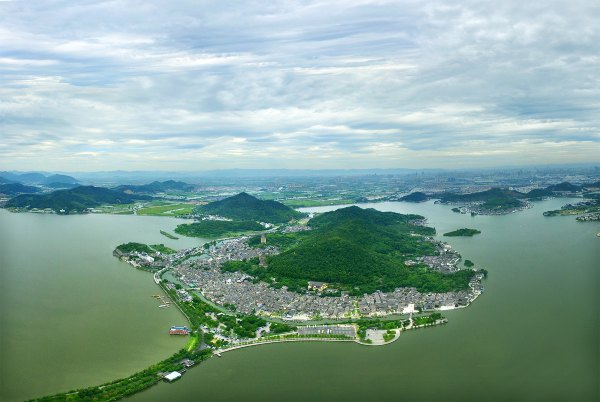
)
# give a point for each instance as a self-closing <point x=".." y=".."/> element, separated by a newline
<point x="218" y="352"/>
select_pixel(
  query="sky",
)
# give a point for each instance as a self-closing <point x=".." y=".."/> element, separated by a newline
<point x="201" y="85"/>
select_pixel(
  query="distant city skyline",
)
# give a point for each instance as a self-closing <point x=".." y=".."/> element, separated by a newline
<point x="126" y="85"/>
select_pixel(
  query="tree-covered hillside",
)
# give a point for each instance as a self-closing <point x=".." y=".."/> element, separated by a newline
<point x="358" y="250"/>
<point x="73" y="200"/>
<point x="212" y="229"/>
<point x="17" y="188"/>
<point x="493" y="193"/>
<point x="246" y="207"/>
<point x="415" y="197"/>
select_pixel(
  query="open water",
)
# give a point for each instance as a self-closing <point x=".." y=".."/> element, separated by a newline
<point x="72" y="315"/>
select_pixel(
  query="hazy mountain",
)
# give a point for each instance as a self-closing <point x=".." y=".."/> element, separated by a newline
<point x="157" y="187"/>
<point x="74" y="200"/>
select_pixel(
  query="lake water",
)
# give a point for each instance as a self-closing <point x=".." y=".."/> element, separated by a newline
<point x="71" y="314"/>
<point x="532" y="336"/>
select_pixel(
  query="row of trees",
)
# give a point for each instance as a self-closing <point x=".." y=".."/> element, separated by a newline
<point x="137" y="382"/>
<point x="209" y="228"/>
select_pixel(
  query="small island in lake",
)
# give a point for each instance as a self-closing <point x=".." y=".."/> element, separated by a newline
<point x="463" y="232"/>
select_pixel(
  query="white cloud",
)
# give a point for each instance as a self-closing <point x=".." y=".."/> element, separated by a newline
<point x="313" y="84"/>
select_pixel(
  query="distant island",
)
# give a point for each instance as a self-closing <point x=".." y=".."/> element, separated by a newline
<point x="499" y="201"/>
<point x="492" y="201"/>
<point x="588" y="209"/>
<point x="463" y="232"/>
<point x="243" y="206"/>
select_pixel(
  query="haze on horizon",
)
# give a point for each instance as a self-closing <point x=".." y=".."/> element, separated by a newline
<point x="107" y="85"/>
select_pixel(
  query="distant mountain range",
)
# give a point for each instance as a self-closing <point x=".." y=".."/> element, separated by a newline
<point x="74" y="200"/>
<point x="156" y="187"/>
<point x="499" y="193"/>
<point x="245" y="207"/>
<point x="36" y="178"/>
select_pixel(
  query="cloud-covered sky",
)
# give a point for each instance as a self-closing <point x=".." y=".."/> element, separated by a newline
<point x="139" y="85"/>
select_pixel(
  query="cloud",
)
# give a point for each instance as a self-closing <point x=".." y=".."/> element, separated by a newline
<point x="141" y="85"/>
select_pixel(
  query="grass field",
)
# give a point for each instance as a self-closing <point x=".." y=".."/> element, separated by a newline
<point x="192" y="343"/>
<point x="298" y="203"/>
<point x="167" y="210"/>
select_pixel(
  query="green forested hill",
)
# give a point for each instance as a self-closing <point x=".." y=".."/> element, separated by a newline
<point x="415" y="197"/>
<point x="463" y="232"/>
<point x="487" y="195"/>
<point x="359" y="250"/>
<point x="246" y="207"/>
<point x="73" y="200"/>
<point x="17" y="188"/>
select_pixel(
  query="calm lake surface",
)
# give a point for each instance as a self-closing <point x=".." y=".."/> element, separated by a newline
<point x="73" y="315"/>
<point x="532" y="336"/>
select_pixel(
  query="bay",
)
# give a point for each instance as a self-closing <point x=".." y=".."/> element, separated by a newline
<point x="71" y="314"/>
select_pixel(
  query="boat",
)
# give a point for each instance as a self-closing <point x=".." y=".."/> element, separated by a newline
<point x="163" y="305"/>
<point x="177" y="330"/>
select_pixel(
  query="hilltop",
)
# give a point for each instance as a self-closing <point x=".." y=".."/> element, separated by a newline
<point x="415" y="197"/>
<point x="74" y="200"/>
<point x="357" y="250"/>
<point x="245" y="207"/>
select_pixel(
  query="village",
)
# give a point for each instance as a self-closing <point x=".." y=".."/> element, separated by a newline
<point x="199" y="270"/>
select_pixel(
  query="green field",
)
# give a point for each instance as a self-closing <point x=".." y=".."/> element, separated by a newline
<point x="299" y="203"/>
<point x="167" y="210"/>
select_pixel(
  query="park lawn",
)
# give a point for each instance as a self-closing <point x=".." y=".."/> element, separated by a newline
<point x="192" y="343"/>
